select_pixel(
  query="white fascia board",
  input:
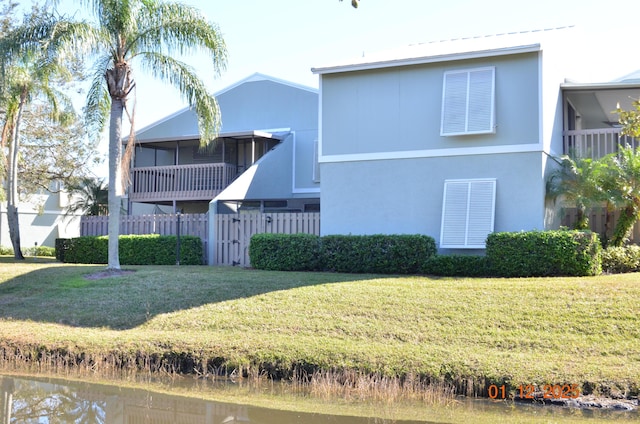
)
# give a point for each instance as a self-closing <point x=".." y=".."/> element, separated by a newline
<point x="233" y="134"/>
<point x="262" y="77"/>
<point x="573" y="86"/>
<point x="390" y="63"/>
<point x="432" y="153"/>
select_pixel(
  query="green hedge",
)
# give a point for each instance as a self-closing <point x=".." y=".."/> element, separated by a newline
<point x="523" y="254"/>
<point x="378" y="253"/>
<point x="622" y="259"/>
<point x="544" y="253"/>
<point x="285" y="252"/>
<point x="383" y="254"/>
<point x="149" y="249"/>
<point x="30" y="251"/>
<point x="457" y="266"/>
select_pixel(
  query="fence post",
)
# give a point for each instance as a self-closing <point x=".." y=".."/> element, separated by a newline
<point x="178" y="239"/>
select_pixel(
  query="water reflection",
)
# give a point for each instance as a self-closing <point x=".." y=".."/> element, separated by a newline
<point x="26" y="400"/>
<point x="46" y="400"/>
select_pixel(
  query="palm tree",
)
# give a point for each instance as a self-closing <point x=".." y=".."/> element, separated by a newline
<point x="576" y="180"/>
<point x="151" y="33"/>
<point x="91" y="198"/>
<point x="623" y="182"/>
<point x="30" y="71"/>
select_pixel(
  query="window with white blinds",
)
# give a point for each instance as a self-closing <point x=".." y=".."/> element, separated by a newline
<point x="468" y="212"/>
<point x="468" y="99"/>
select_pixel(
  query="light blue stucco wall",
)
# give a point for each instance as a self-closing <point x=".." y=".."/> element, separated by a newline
<point x="265" y="105"/>
<point x="384" y="162"/>
<point x="399" y="109"/>
<point x="405" y="196"/>
<point x="258" y="103"/>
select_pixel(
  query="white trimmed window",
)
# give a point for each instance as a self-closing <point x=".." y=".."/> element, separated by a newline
<point x="468" y="99"/>
<point x="468" y="212"/>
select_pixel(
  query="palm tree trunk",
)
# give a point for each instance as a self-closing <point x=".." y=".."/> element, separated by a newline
<point x="115" y="184"/>
<point x="624" y="226"/>
<point x="12" y="193"/>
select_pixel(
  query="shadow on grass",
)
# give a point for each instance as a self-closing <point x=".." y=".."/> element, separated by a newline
<point x="46" y="291"/>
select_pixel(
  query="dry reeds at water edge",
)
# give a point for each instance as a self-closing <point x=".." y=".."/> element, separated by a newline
<point x="350" y="385"/>
<point x="353" y="385"/>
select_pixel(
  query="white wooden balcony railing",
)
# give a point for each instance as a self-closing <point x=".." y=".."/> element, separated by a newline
<point x="180" y="182"/>
<point x="596" y="143"/>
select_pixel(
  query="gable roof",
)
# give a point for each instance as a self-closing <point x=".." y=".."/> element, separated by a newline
<point x="183" y="124"/>
<point x="257" y="76"/>
<point x="448" y="50"/>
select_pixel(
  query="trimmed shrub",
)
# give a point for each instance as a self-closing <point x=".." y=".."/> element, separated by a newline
<point x="457" y="266"/>
<point x="285" y="252"/>
<point x="82" y="250"/>
<point x="379" y="253"/>
<point x="30" y="251"/>
<point x="151" y="249"/>
<point x="617" y="260"/>
<point x="39" y="251"/>
<point x="544" y="253"/>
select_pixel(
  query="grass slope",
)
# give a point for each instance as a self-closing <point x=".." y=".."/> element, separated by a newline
<point x="471" y="332"/>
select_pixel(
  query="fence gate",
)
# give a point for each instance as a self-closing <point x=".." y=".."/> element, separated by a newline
<point x="233" y="232"/>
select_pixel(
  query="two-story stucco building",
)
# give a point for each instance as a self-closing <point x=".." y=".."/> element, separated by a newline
<point x="451" y="139"/>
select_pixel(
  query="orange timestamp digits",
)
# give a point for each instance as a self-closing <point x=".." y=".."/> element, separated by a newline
<point x="530" y="391"/>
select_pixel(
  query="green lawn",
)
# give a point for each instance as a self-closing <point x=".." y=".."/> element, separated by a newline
<point x="471" y="332"/>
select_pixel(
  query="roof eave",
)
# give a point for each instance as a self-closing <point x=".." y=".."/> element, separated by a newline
<point x="427" y="59"/>
<point x="234" y="134"/>
<point x="574" y="86"/>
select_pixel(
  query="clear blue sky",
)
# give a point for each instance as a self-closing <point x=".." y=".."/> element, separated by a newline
<point x="286" y="38"/>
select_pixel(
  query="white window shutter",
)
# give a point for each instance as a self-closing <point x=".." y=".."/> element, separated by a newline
<point x="480" y="113"/>
<point x="481" y="211"/>
<point x="454" y="103"/>
<point x="468" y="212"/>
<point x="468" y="102"/>
<point x="454" y="214"/>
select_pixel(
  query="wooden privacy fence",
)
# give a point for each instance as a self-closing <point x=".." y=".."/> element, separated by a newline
<point x="598" y="222"/>
<point x="233" y="232"/>
<point x="166" y="224"/>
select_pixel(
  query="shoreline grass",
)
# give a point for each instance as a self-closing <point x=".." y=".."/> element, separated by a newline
<point x="462" y="333"/>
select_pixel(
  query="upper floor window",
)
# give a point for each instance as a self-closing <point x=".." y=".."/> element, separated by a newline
<point x="468" y="99"/>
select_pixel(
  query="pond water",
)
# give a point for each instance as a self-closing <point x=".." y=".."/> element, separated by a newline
<point x="31" y="399"/>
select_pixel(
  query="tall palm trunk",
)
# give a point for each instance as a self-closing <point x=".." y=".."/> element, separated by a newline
<point x="115" y="185"/>
<point x="119" y="85"/>
<point x="12" y="193"/>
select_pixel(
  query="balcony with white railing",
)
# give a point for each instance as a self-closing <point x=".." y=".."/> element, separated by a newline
<point x="180" y="182"/>
<point x="596" y="143"/>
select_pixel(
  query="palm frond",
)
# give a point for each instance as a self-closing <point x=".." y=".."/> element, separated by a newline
<point x="98" y="102"/>
<point x="191" y="87"/>
<point x="172" y="27"/>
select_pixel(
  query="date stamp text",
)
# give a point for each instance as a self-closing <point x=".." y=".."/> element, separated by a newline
<point x="531" y="391"/>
